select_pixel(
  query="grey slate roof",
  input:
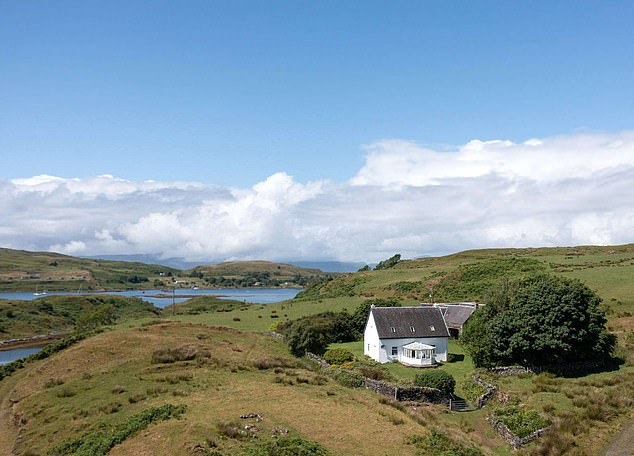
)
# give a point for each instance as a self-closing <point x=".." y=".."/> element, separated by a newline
<point x="456" y="315"/>
<point x="396" y="322"/>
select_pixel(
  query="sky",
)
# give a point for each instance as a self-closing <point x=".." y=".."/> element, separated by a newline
<point x="215" y="130"/>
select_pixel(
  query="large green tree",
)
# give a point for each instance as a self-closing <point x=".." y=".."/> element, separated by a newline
<point x="537" y="321"/>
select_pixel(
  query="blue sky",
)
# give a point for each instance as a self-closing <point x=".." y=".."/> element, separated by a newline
<point x="230" y="92"/>
<point x="320" y="130"/>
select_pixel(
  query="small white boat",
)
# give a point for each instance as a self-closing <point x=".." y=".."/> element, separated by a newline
<point x="39" y="293"/>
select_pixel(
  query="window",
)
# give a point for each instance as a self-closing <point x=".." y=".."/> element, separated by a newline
<point x="394" y="351"/>
<point x="432" y="328"/>
<point x="411" y="328"/>
<point x="393" y="329"/>
<point x="368" y="347"/>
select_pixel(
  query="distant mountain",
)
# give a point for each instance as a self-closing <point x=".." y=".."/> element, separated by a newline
<point x="150" y="258"/>
<point x="181" y="263"/>
<point x="329" y="266"/>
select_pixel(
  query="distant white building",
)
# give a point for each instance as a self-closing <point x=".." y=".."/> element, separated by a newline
<point x="414" y="336"/>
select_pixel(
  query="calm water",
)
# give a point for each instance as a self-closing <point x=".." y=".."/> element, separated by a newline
<point x="17" y="353"/>
<point x="253" y="295"/>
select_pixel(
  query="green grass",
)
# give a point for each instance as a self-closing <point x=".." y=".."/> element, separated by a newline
<point x="59" y="313"/>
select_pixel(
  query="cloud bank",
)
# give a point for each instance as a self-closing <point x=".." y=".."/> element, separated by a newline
<point x="563" y="190"/>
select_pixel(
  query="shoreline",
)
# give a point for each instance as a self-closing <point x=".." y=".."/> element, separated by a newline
<point x="30" y="342"/>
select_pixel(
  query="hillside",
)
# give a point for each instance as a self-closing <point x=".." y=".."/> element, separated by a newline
<point x="465" y="276"/>
<point x="234" y="369"/>
<point x="27" y="271"/>
<point x="58" y="314"/>
<point x="256" y="273"/>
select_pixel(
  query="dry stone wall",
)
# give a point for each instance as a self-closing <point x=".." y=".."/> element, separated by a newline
<point x="515" y="441"/>
<point x="408" y="393"/>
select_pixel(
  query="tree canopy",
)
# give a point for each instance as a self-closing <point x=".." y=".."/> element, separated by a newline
<point x="538" y="321"/>
<point x="389" y="263"/>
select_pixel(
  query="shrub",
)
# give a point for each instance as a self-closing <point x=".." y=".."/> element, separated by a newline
<point x="338" y="356"/>
<point x="100" y="441"/>
<point x="472" y="390"/>
<point x="232" y="430"/>
<point x="438" y="444"/>
<point x="287" y="446"/>
<point x="314" y="333"/>
<point x="171" y="355"/>
<point x="272" y="363"/>
<point x="347" y="377"/>
<point x="438" y="379"/>
<point x="65" y="392"/>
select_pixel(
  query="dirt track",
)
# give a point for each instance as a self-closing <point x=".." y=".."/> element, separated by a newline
<point x="623" y="442"/>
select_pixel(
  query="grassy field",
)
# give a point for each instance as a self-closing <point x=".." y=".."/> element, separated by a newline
<point x="106" y="379"/>
<point x="110" y="377"/>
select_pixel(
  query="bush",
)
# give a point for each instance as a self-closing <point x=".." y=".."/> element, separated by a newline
<point x="347" y="377"/>
<point x="171" y="355"/>
<point x="438" y="444"/>
<point x="288" y="446"/>
<point x="314" y="333"/>
<point x="438" y="379"/>
<point x="100" y="441"/>
<point x="338" y="356"/>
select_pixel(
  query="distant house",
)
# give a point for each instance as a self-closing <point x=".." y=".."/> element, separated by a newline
<point x="414" y="336"/>
<point x="456" y="315"/>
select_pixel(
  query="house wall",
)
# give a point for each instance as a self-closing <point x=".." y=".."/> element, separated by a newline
<point x="371" y="342"/>
<point x="439" y="342"/>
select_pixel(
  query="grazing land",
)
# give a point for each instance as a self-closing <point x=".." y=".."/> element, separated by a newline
<point x="213" y="357"/>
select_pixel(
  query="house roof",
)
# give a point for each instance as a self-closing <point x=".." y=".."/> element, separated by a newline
<point x="398" y="322"/>
<point x="418" y="346"/>
<point x="457" y="314"/>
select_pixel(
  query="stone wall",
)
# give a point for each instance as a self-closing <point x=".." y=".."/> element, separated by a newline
<point x="488" y="394"/>
<point x="515" y="441"/>
<point x="510" y="370"/>
<point x="317" y="359"/>
<point x="408" y="393"/>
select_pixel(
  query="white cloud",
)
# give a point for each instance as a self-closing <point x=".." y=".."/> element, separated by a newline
<point x="70" y="248"/>
<point x="397" y="162"/>
<point x="564" y="190"/>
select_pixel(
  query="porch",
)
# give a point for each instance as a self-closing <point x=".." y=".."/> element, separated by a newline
<point x="417" y="354"/>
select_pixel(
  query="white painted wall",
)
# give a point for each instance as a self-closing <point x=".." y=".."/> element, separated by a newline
<point x="371" y="342"/>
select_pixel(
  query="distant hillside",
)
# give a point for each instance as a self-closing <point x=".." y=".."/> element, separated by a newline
<point x="256" y="273"/>
<point x="26" y="271"/>
<point x="59" y="313"/>
<point x="149" y="258"/>
<point x="465" y="276"/>
<point x="329" y="266"/>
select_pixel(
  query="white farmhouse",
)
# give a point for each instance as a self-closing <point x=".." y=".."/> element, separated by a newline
<point x="414" y="336"/>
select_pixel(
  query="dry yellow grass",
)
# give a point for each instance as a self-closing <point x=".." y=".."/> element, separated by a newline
<point x="78" y="389"/>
